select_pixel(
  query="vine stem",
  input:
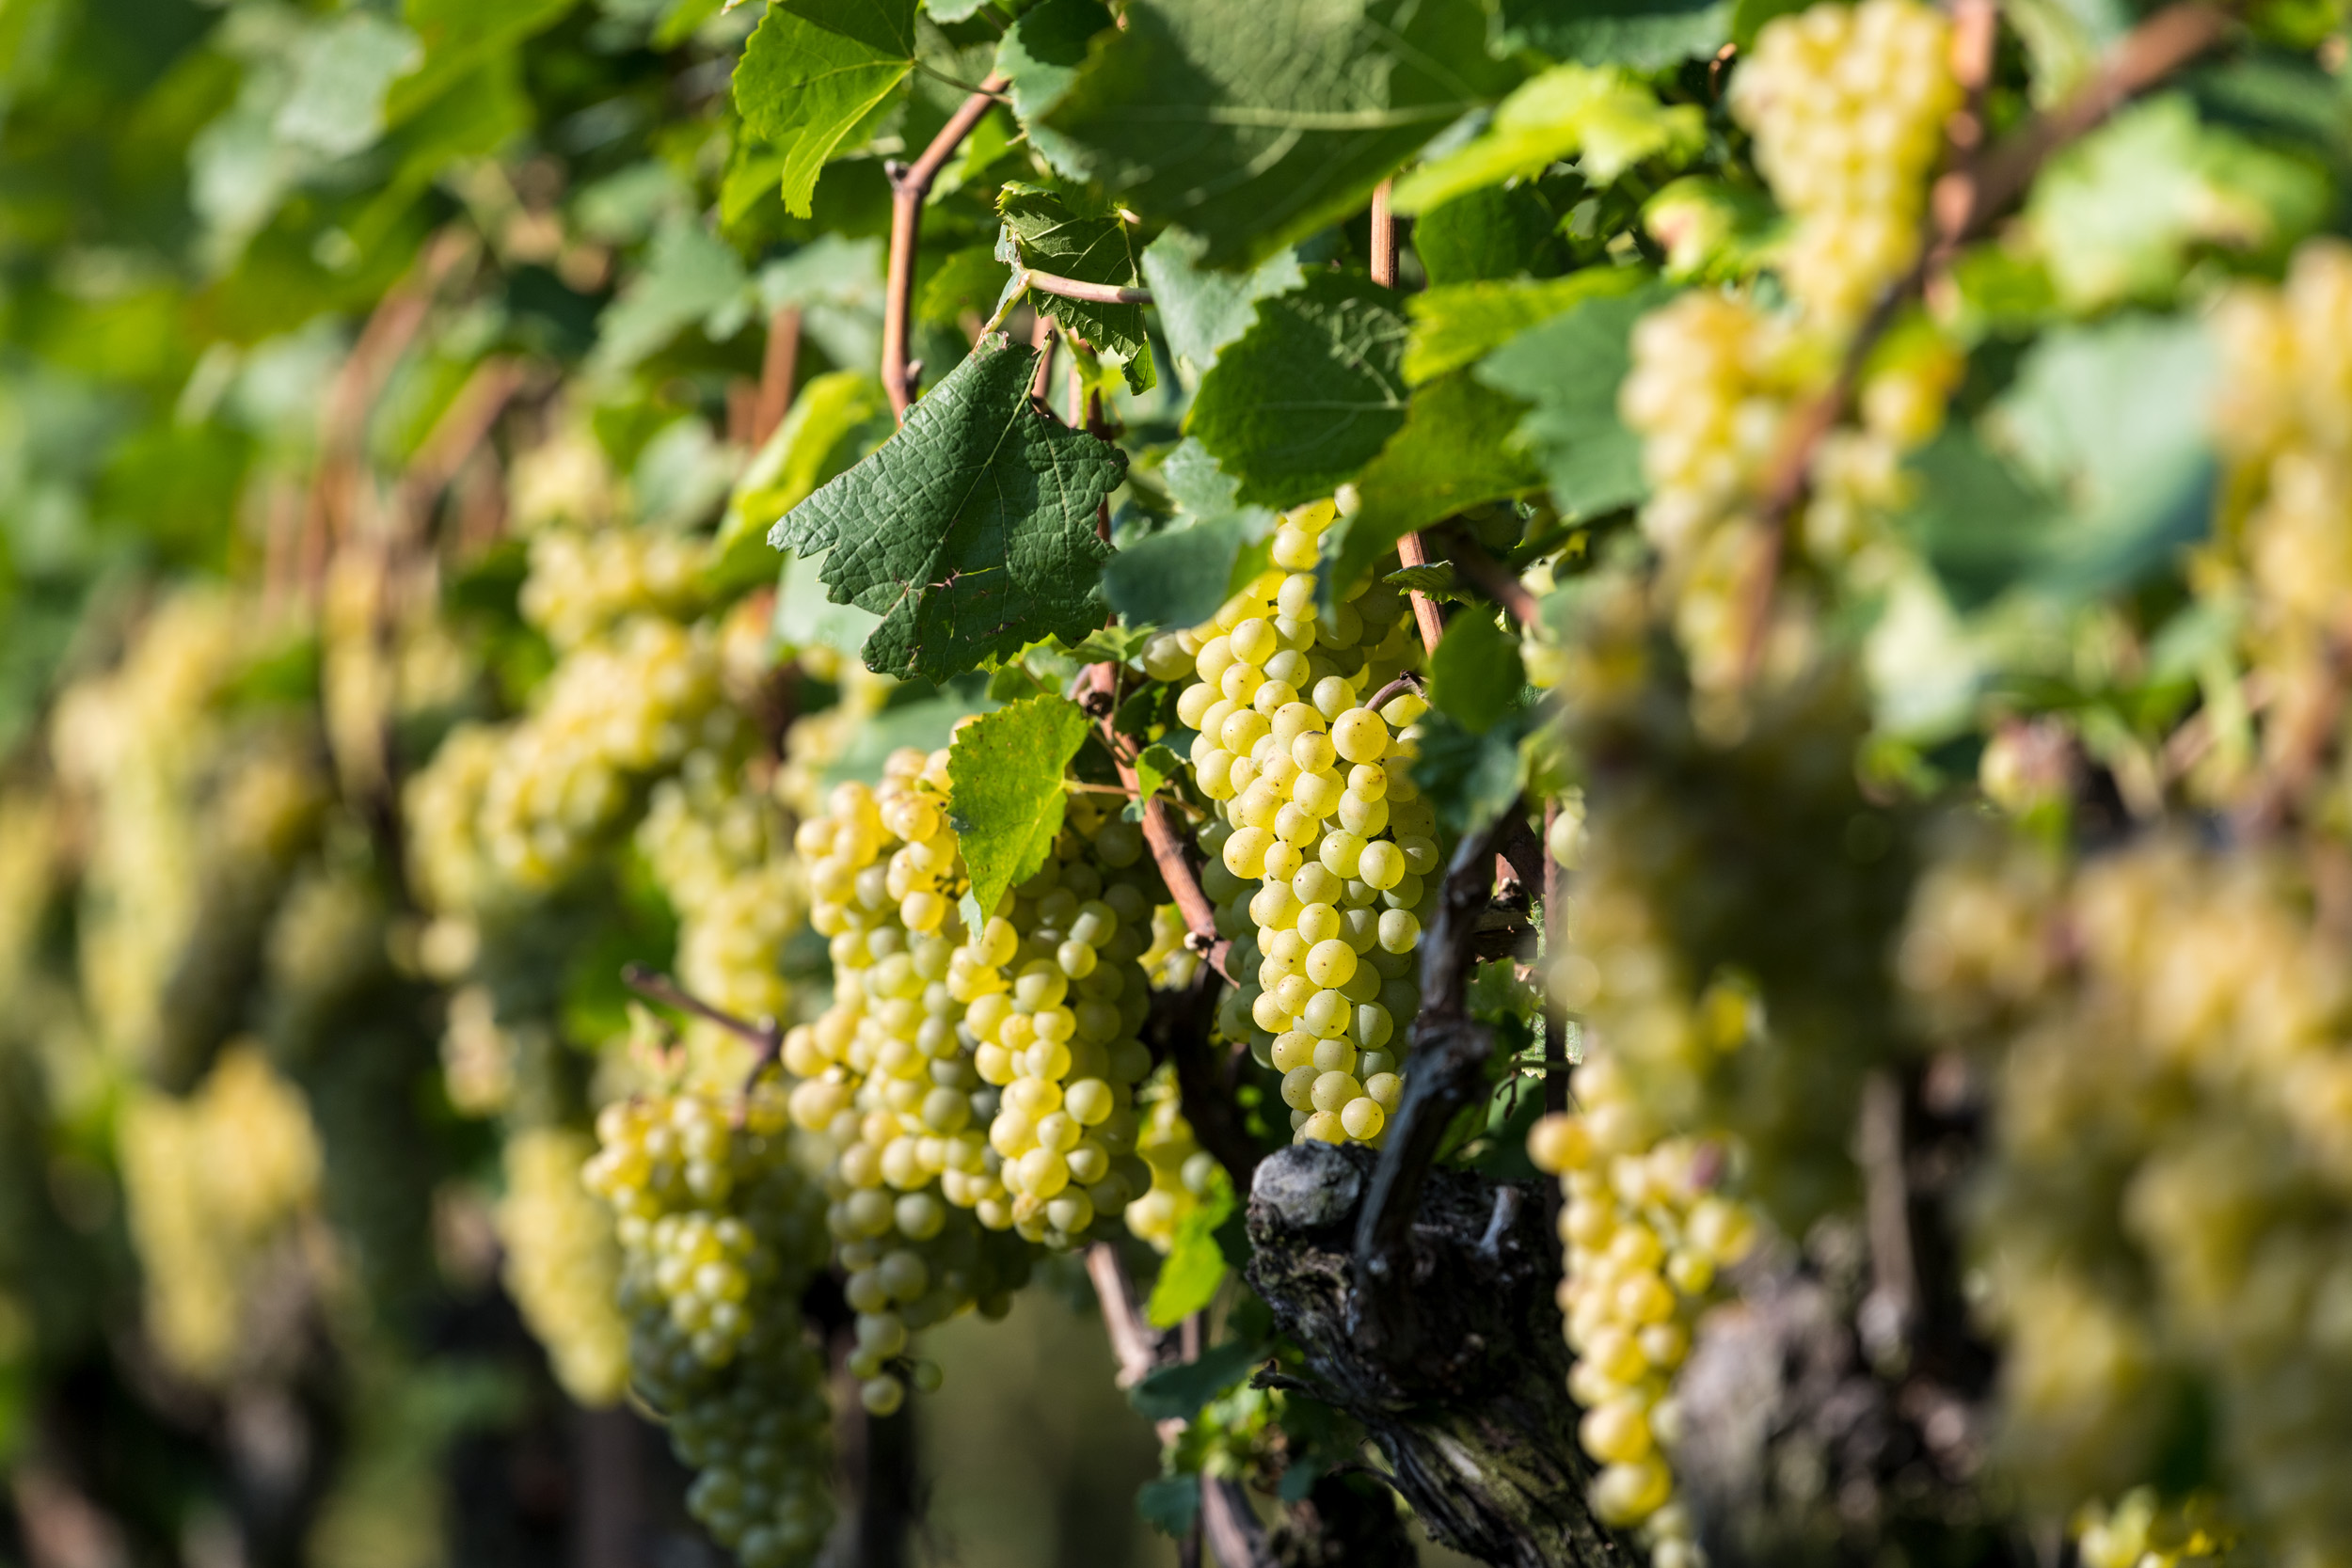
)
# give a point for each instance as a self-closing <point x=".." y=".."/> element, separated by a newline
<point x="1961" y="207"/>
<point x="1410" y="549"/>
<point x="910" y="188"/>
<point x="766" y="1036"/>
<point x="1076" y="288"/>
<point x="1491" y="576"/>
<point x="778" y="366"/>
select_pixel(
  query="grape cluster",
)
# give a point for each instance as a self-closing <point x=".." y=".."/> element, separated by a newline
<point x="719" y="1232"/>
<point x="1325" y="856"/>
<point x="2144" y="1531"/>
<point x="213" y="1182"/>
<point x="1644" y="1233"/>
<point x="1847" y="104"/>
<point x="2166" y="1215"/>
<point x="717" y="846"/>
<point x="563" y="1265"/>
<point x="582" y="583"/>
<point x="1183" y="1173"/>
<point x="2282" y="424"/>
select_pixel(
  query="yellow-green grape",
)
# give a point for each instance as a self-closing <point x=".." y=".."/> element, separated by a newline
<point x="1847" y="105"/>
<point x="719" y="1232"/>
<point x="717" y="846"/>
<point x="448" y="863"/>
<point x="480" y="1057"/>
<point x="1324" y="859"/>
<point x="582" y="583"/>
<point x="563" y="1264"/>
<point x="2143" y="1530"/>
<point x="1054" y="993"/>
<point x="212" y="1182"/>
<point x="886" y="1085"/>
<point x="2280" y="424"/>
<point x="1643" y="1237"/>
<point x="1182" y="1171"/>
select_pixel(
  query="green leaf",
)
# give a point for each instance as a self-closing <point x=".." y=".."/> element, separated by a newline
<point x="690" y="276"/>
<point x="459" y="37"/>
<point x="1601" y="116"/>
<point x="804" y="618"/>
<point x="1039" y="57"/>
<point x="1179" y="578"/>
<point x="342" y="73"/>
<point x="1980" y="527"/>
<point x="1177" y="1392"/>
<point x="2120" y="213"/>
<point x="1452" y="453"/>
<point x="1005" y="789"/>
<point x="835" y="420"/>
<point x="1117" y="644"/>
<point x="1169" y="1504"/>
<point x="1309" y="394"/>
<point x="1489" y="233"/>
<point x="1644" y="35"/>
<point x="1568" y="370"/>
<point x="1437" y="581"/>
<point x="1202" y="310"/>
<point x="969" y="279"/>
<point x="1475" y="676"/>
<point x="1470" y="777"/>
<point x="1195" y="1264"/>
<point x="1043" y="233"/>
<point x="1155" y="764"/>
<point x="972" y="530"/>
<point x="813" y="71"/>
<point x="1253" y="124"/>
<point x="1710" y="227"/>
<point x="1455" y="326"/>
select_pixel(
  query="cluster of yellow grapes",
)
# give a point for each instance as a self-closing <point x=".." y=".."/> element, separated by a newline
<point x="563" y="1264"/>
<point x="581" y="583"/>
<point x="1644" y="1233"/>
<point x="214" y="1182"/>
<point x="2168" y="1201"/>
<point x="1847" y="104"/>
<point x="716" y="843"/>
<point x="1317" y="808"/>
<point x="1182" y="1172"/>
<point x="2281" y="425"/>
<point x="719" y="1232"/>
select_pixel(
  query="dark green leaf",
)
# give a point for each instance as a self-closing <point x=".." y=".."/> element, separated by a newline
<point x="1196" y="1264"/>
<point x="813" y="71"/>
<point x="1452" y="453"/>
<point x="1470" y="778"/>
<point x="1039" y="56"/>
<point x="1005" y="796"/>
<point x="1487" y="233"/>
<point x="1437" y="580"/>
<point x="972" y="530"/>
<point x="1117" y="644"/>
<point x="1978" y="523"/>
<point x="1041" y="232"/>
<point x="1312" y="391"/>
<point x="459" y="36"/>
<point x="1253" y="124"/>
<point x="1176" y="1393"/>
<point x="1179" y="578"/>
<point x="1201" y="309"/>
<point x="970" y="281"/>
<point x="1646" y="34"/>
<point x="1475" y="676"/>
<point x="1169" y="1504"/>
<point x="1568" y="370"/>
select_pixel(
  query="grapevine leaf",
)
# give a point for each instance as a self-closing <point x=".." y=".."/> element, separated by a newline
<point x="1179" y="578"/>
<point x="342" y="75"/>
<point x="1644" y="35"/>
<point x="1116" y="644"/>
<point x="1201" y="309"/>
<point x="1452" y="453"/>
<point x="1310" y="392"/>
<point x="1469" y="777"/>
<point x="836" y="419"/>
<point x="813" y="71"/>
<point x="1568" y="370"/>
<point x="1177" y="1392"/>
<point x="1978" y="524"/>
<point x="1455" y="326"/>
<point x="1255" y="123"/>
<point x="1041" y="232"/>
<point x="690" y="275"/>
<point x="1436" y="580"/>
<point x="1492" y="231"/>
<point x="1039" y="58"/>
<point x="1475" y="676"/>
<point x="1005" y="789"/>
<point x="972" y="530"/>
<point x="459" y="37"/>
<point x="1169" y="1504"/>
<point x="1195" y="1264"/>
<point x="1601" y="116"/>
<point x="969" y="279"/>
<point x="1154" y="765"/>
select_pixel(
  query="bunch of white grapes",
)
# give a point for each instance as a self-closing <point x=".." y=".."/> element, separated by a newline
<point x="720" y="1233"/>
<point x="886" y="1083"/>
<point x="581" y="584"/>
<point x="563" y="1264"/>
<point x="1183" y="1173"/>
<point x="716" y="845"/>
<point x="1321" y="835"/>
<point x="1848" y="105"/>
<point x="1643" y="1234"/>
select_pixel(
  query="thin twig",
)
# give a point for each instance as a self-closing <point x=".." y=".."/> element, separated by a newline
<point x="1555" y="942"/>
<point x="777" y="368"/>
<point x="1136" y="1345"/>
<point x="909" y="186"/>
<point x="1410" y="549"/>
<point x="1961" y="206"/>
<point x="1394" y="690"/>
<point x="1491" y="576"/>
<point x="766" y="1036"/>
<point x="1076" y="288"/>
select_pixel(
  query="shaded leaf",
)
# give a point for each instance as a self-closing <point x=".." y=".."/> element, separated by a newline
<point x="1169" y="1504"/>
<point x="691" y="277"/>
<point x="1603" y="116"/>
<point x="1643" y="34"/>
<point x="1453" y="453"/>
<point x="813" y="71"/>
<point x="1180" y="577"/>
<point x="1041" y="232"/>
<point x="1489" y="233"/>
<point x="459" y="37"/>
<point x="1005" y="789"/>
<point x="1202" y="310"/>
<point x="972" y="530"/>
<point x="1038" y="57"/>
<point x="969" y="279"/>
<point x="1470" y="777"/>
<point x="1177" y="1392"/>
<point x="1475" y="676"/>
<point x="1568" y="370"/>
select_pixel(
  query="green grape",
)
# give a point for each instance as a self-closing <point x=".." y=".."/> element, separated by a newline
<point x="720" y="1233"/>
<point x="563" y="1263"/>
<point x="582" y="583"/>
<point x="1325" y="860"/>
